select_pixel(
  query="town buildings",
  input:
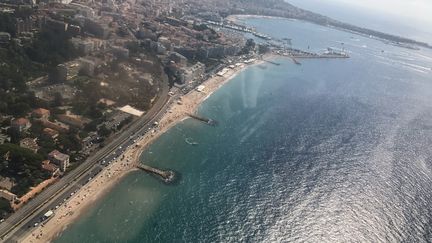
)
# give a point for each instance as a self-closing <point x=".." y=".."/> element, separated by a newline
<point x="60" y="159"/>
<point x="41" y="113"/>
<point x="30" y="143"/>
<point x="50" y="167"/>
<point x="124" y="54"/>
<point x="20" y="124"/>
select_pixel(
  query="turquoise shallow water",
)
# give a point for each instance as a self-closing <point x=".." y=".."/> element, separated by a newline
<point x="329" y="151"/>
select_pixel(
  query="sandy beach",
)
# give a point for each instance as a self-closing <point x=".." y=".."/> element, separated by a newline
<point x="113" y="173"/>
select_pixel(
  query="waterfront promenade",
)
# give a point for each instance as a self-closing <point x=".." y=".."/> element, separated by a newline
<point x="88" y="194"/>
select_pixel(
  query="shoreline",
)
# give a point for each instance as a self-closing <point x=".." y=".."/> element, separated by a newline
<point x="368" y="33"/>
<point x="103" y="183"/>
<point x="239" y="17"/>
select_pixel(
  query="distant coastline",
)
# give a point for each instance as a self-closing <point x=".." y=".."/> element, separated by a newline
<point x="391" y="39"/>
<point x="286" y="10"/>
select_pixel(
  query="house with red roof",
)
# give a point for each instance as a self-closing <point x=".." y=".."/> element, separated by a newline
<point x="20" y="124"/>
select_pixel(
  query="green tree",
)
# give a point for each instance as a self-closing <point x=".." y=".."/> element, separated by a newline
<point x="70" y="142"/>
<point x="104" y="131"/>
<point x="23" y="165"/>
<point x="5" y="207"/>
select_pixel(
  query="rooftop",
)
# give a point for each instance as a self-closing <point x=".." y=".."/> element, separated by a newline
<point x="58" y="155"/>
<point x="20" y="122"/>
<point x="50" y="132"/>
<point x="29" y="143"/>
<point x="48" y="166"/>
<point x="41" y="112"/>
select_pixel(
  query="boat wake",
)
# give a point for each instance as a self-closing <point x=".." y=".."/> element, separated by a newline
<point x="190" y="141"/>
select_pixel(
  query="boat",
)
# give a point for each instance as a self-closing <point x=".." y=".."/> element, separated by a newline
<point x="191" y="142"/>
<point x="262" y="36"/>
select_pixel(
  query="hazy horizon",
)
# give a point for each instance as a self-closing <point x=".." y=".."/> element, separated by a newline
<point x="410" y="19"/>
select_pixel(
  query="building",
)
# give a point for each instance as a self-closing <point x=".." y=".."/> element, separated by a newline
<point x="66" y="71"/>
<point x="189" y="74"/>
<point x="107" y="102"/>
<point x="74" y="30"/>
<point x="87" y="67"/>
<point x="83" y="45"/>
<point x="217" y="51"/>
<point x="166" y="43"/>
<point x="41" y="113"/>
<point x="56" y="25"/>
<point x="8" y="195"/>
<point x="200" y="88"/>
<point x="50" y="92"/>
<point x="58" y="126"/>
<point x="97" y="29"/>
<point x="115" y="118"/>
<point x="51" y="133"/>
<point x="50" y="167"/>
<point x="120" y="52"/>
<point x="30" y="143"/>
<point x="6" y="183"/>
<point x="83" y="9"/>
<point x="60" y="74"/>
<point x="4" y="37"/>
<point x="60" y="159"/>
<point x="20" y="124"/>
<point x="73" y="120"/>
<point x="179" y="59"/>
<point x="23" y="25"/>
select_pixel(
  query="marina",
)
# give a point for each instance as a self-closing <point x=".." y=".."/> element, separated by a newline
<point x="282" y="46"/>
<point x="297" y="53"/>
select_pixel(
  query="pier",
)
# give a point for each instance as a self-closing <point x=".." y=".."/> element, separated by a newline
<point x="296" y="53"/>
<point x="207" y="121"/>
<point x="271" y="62"/>
<point x="295" y="61"/>
<point x="166" y="175"/>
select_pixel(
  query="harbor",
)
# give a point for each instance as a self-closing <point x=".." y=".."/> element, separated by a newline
<point x="282" y="46"/>
<point x="297" y="53"/>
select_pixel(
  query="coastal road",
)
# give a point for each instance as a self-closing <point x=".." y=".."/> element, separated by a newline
<point x="17" y="224"/>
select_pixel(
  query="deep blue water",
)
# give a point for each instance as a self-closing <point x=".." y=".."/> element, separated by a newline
<point x="329" y="151"/>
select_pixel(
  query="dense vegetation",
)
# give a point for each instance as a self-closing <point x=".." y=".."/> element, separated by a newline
<point x="51" y="48"/>
<point x="23" y="166"/>
<point x="7" y="22"/>
<point x="18" y="65"/>
<point x="5" y="207"/>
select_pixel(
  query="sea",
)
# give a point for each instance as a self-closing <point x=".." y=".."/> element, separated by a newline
<point x="376" y="15"/>
<point x="332" y="150"/>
